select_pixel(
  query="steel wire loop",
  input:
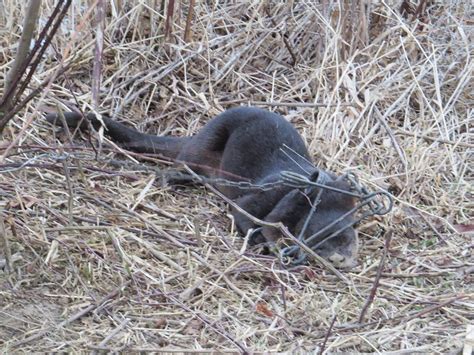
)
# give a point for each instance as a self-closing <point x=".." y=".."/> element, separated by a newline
<point x="369" y="204"/>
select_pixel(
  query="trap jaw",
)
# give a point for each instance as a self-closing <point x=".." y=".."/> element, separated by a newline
<point x="369" y="204"/>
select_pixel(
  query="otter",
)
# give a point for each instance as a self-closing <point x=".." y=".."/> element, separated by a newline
<point x="245" y="144"/>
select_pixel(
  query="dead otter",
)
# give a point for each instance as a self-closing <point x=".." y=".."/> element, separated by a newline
<point x="244" y="144"/>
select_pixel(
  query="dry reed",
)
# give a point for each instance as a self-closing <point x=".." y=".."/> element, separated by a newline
<point x="109" y="258"/>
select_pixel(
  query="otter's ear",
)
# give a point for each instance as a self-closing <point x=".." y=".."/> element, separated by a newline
<point x="314" y="176"/>
<point x="321" y="177"/>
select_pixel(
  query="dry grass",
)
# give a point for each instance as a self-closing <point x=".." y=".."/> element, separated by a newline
<point x="109" y="258"/>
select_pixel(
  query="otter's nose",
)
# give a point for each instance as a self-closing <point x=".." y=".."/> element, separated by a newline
<point x="337" y="259"/>
<point x="342" y="262"/>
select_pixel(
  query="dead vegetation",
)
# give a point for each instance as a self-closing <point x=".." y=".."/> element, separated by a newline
<point x="101" y="257"/>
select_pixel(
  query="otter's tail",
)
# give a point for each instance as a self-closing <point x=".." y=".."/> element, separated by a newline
<point x="127" y="137"/>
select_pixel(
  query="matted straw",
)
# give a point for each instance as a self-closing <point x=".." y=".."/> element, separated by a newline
<point x="110" y="258"/>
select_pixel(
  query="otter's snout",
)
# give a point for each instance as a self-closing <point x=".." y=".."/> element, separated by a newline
<point x="341" y="250"/>
<point x="341" y="261"/>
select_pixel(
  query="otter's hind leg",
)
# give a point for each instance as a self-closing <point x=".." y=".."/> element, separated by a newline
<point x="203" y="154"/>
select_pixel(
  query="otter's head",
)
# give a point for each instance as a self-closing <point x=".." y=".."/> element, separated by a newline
<point x="338" y="241"/>
<point x="329" y="229"/>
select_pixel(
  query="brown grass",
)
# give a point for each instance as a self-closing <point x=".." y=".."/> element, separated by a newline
<point x="109" y="258"/>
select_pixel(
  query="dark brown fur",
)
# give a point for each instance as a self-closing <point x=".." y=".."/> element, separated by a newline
<point x="245" y="144"/>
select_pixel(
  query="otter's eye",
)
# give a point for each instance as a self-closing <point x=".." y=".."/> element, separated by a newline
<point x="318" y="250"/>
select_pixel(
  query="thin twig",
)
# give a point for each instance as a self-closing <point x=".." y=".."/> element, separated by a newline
<point x="169" y="18"/>
<point x="160" y="350"/>
<point x="402" y="318"/>
<point x="19" y="64"/>
<point x="189" y="19"/>
<point x="98" y="51"/>
<point x="433" y="139"/>
<point x="381" y="118"/>
<point x="114" y="332"/>
<point x="375" y="285"/>
<point x="74" y="317"/>
<point x="48" y="37"/>
<point x="283" y="36"/>
<point x="284" y="104"/>
<point x="213" y="325"/>
<point x="328" y="333"/>
<point x="6" y="245"/>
